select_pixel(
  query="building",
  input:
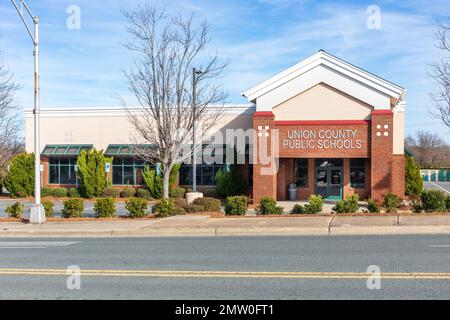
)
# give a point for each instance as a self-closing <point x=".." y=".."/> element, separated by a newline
<point x="326" y="125"/>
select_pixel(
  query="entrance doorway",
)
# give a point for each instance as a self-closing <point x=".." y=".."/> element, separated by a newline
<point x="328" y="178"/>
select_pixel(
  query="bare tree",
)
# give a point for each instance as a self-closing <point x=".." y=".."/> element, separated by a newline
<point x="440" y="72"/>
<point x="9" y="122"/>
<point x="167" y="48"/>
<point x="429" y="149"/>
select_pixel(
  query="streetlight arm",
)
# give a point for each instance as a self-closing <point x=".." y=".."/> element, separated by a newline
<point x="23" y="18"/>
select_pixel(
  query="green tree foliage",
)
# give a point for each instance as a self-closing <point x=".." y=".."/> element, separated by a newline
<point x="19" y="180"/>
<point x="154" y="181"/>
<point x="229" y="182"/>
<point x="413" y="179"/>
<point x="92" y="174"/>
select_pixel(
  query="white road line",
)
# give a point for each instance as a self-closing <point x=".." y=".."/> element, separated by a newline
<point x="23" y="247"/>
<point x="35" y="244"/>
<point x="440" y="246"/>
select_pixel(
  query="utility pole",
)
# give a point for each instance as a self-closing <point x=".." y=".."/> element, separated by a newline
<point x="37" y="214"/>
<point x="195" y="74"/>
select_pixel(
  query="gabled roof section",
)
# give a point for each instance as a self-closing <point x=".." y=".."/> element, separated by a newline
<point x="333" y="63"/>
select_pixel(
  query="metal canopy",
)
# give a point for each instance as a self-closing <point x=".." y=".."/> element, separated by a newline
<point x="124" y="150"/>
<point x="65" y="149"/>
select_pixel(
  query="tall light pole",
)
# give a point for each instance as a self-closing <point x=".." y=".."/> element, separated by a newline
<point x="37" y="214"/>
<point x="195" y="74"/>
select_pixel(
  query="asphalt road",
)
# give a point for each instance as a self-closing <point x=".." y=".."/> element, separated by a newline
<point x="226" y="268"/>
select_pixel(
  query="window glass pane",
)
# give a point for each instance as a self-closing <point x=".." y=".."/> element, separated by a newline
<point x="64" y="177"/>
<point x="117" y="174"/>
<point x="301" y="172"/>
<point x="64" y="160"/>
<point x="113" y="150"/>
<point x="53" y="174"/>
<point x="185" y="175"/>
<point x="357" y="173"/>
<point x="127" y="161"/>
<point x="124" y="150"/>
<point x="54" y="160"/>
<point x="117" y="160"/>
<point x="139" y="178"/>
<point x="207" y="175"/>
<point x="73" y="174"/>
<point x="128" y="176"/>
<point x="329" y="162"/>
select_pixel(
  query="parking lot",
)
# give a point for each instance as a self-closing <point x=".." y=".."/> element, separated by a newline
<point x="443" y="186"/>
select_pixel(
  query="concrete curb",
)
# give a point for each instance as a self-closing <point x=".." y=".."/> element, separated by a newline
<point x="232" y="231"/>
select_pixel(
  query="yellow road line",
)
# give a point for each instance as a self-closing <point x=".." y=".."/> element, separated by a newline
<point x="232" y="274"/>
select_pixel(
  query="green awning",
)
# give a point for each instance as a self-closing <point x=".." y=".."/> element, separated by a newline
<point x="65" y="149"/>
<point x="124" y="150"/>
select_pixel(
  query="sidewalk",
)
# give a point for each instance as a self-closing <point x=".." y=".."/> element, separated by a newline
<point x="237" y="226"/>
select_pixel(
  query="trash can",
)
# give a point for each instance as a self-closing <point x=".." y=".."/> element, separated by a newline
<point x="292" y="190"/>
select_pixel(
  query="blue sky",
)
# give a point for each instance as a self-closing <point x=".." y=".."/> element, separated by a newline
<point x="82" y="68"/>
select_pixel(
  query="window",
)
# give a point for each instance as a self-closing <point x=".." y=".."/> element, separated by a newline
<point x="128" y="171"/>
<point x="329" y="162"/>
<point x="358" y="173"/>
<point x="301" y="172"/>
<point x="206" y="174"/>
<point x="62" y="171"/>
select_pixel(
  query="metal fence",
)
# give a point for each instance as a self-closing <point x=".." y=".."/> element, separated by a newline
<point x="435" y="175"/>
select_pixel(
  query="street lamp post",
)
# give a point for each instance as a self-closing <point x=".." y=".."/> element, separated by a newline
<point x="195" y="74"/>
<point x="37" y="214"/>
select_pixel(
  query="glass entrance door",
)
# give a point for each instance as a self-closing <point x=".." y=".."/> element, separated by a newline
<point x="329" y="183"/>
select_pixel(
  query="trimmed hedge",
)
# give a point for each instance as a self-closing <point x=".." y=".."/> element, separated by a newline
<point x="19" y="180"/>
<point x="48" y="208"/>
<point x="236" y="205"/>
<point x="177" y="192"/>
<point x="105" y="208"/>
<point x="73" y="208"/>
<point x="315" y="204"/>
<point x="46" y="192"/>
<point x="164" y="207"/>
<point x="143" y="193"/>
<point x="73" y="193"/>
<point x="347" y="205"/>
<point x="128" y="192"/>
<point x="209" y="204"/>
<point x="434" y="201"/>
<point x="373" y="206"/>
<point x="268" y="206"/>
<point x="111" y="192"/>
<point x="391" y="202"/>
<point x="298" y="209"/>
<point x="59" y="192"/>
<point x="136" y="207"/>
<point x="15" y="210"/>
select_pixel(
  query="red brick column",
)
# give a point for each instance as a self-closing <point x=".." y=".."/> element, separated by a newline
<point x="45" y="173"/>
<point x="281" y="180"/>
<point x="264" y="185"/>
<point x="398" y="175"/>
<point x="347" y="189"/>
<point x="381" y="153"/>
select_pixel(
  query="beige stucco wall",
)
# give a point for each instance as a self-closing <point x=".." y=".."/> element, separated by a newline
<point x="322" y="102"/>
<point x="104" y="127"/>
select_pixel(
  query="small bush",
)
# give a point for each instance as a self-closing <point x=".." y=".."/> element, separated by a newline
<point x="348" y="205"/>
<point x="194" y="208"/>
<point x="298" y="209"/>
<point x="229" y="182"/>
<point x="177" y="192"/>
<point x="268" y="206"/>
<point x="433" y="201"/>
<point x="447" y="203"/>
<point x="136" y="207"/>
<point x="73" y="193"/>
<point x="210" y="204"/>
<point x="73" y="208"/>
<point x="111" y="192"/>
<point x="19" y="180"/>
<point x="105" y="208"/>
<point x="178" y="211"/>
<point x="164" y="207"/>
<point x="59" y="192"/>
<point x="48" y="208"/>
<point x="15" y="210"/>
<point x="128" y="192"/>
<point x="144" y="194"/>
<point x="315" y="204"/>
<point x="46" y="192"/>
<point x="391" y="202"/>
<point x="373" y="206"/>
<point x="236" y="205"/>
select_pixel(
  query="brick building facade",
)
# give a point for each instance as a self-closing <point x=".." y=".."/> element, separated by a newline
<point x="322" y="126"/>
